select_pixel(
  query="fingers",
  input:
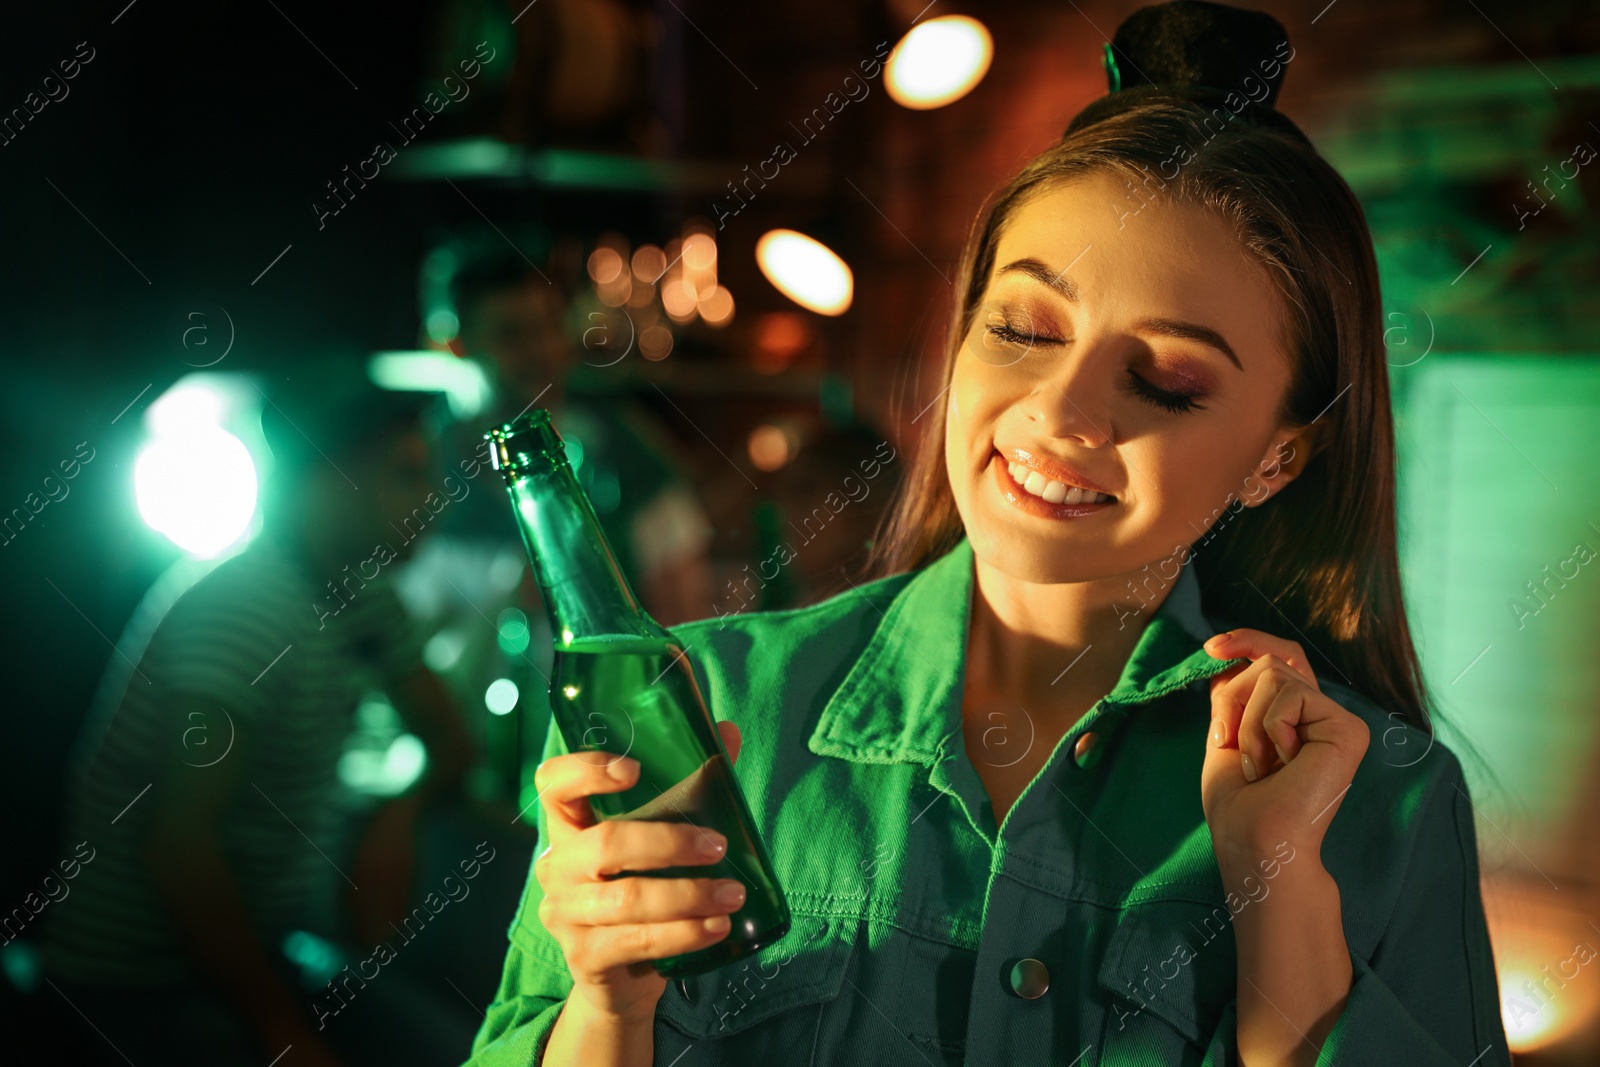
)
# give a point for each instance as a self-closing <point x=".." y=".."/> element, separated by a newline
<point x="1270" y="713"/>
<point x="1254" y="644"/>
<point x="635" y="900"/>
<point x="1250" y="711"/>
<point x="566" y="782"/>
<point x="617" y="845"/>
<point x="731" y="739"/>
<point x="595" y="949"/>
<point x="604" y="919"/>
<point x="1228" y="697"/>
<point x="1267" y="735"/>
<point x="604" y="922"/>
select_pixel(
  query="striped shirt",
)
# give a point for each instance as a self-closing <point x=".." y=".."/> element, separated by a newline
<point x="261" y="641"/>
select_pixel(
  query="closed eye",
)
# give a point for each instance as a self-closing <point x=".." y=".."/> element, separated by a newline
<point x="1176" y="403"/>
<point x="1010" y="335"/>
<point x="1161" y="398"/>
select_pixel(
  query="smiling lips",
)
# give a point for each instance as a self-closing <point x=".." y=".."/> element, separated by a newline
<point x="1037" y="493"/>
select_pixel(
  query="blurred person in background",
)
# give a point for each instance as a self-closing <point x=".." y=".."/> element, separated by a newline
<point x="815" y="527"/>
<point x="515" y="322"/>
<point x="471" y="582"/>
<point x="229" y="701"/>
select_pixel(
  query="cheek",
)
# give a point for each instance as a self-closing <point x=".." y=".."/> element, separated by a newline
<point x="962" y="425"/>
<point x="979" y="393"/>
<point x="1185" y="475"/>
<point x="969" y="415"/>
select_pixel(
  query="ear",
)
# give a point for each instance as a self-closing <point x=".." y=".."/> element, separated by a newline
<point x="1286" y="456"/>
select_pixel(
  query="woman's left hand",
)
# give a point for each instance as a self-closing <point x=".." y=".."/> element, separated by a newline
<point x="1281" y="753"/>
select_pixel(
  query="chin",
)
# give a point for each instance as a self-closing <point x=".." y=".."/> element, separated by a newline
<point x="1032" y="555"/>
<point x="1030" y="546"/>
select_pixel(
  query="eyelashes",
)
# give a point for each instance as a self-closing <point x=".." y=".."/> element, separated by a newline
<point x="1008" y="334"/>
<point x="1161" y="398"/>
<point x="1176" y="403"/>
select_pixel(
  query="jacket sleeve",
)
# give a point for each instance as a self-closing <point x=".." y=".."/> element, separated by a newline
<point x="1429" y="996"/>
<point x="535" y="981"/>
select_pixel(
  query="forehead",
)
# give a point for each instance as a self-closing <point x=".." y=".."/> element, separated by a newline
<point x="1138" y="253"/>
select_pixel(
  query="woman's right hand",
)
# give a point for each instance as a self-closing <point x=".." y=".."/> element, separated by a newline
<point x="611" y="928"/>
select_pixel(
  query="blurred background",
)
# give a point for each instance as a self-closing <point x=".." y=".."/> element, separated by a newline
<point x="719" y="241"/>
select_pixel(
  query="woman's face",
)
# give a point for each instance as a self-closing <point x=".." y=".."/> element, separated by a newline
<point x="1101" y="357"/>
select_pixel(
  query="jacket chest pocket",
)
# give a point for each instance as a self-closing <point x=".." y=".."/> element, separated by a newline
<point x="767" y="1009"/>
<point x="1171" y="967"/>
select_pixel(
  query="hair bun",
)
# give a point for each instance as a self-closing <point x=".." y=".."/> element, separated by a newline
<point x="1194" y="43"/>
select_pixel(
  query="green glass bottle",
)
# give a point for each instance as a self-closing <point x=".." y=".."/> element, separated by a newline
<point x="621" y="683"/>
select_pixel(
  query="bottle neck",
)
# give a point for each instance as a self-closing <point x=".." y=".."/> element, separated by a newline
<point x="584" y="591"/>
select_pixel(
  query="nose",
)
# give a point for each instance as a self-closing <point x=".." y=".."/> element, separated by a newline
<point x="1072" y="401"/>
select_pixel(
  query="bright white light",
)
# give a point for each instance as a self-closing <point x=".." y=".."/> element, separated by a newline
<point x="806" y="271"/>
<point x="187" y="406"/>
<point x="197" y="486"/>
<point x="938" y="62"/>
<point x="501" y="696"/>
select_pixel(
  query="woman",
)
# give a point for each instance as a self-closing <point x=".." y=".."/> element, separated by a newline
<point x="1043" y="794"/>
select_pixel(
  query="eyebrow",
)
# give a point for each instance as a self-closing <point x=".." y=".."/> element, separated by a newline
<point x="1191" y="331"/>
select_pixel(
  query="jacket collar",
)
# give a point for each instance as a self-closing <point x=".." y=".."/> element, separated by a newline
<point x="902" y="699"/>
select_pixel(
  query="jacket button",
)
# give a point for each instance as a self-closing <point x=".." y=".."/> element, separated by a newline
<point x="1086" y="753"/>
<point x="1029" y="979"/>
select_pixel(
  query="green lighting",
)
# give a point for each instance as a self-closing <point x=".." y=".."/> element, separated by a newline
<point x="443" y="326"/>
<point x="384" y="772"/>
<point x="462" y="381"/>
<point x="512" y="632"/>
<point x="1498" y="485"/>
<point x="21" y="964"/>
<point x="501" y="696"/>
<point x="443" y="650"/>
<point x="317" y="956"/>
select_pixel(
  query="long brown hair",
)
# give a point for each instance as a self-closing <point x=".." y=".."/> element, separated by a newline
<point x="1318" y="562"/>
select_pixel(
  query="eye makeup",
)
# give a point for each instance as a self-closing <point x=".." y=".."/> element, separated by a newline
<point x="1177" y="388"/>
<point x="1180" y="390"/>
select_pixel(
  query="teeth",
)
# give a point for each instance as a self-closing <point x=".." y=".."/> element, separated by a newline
<point x="1052" y="492"/>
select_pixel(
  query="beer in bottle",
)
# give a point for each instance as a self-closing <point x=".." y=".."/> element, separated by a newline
<point x="622" y="684"/>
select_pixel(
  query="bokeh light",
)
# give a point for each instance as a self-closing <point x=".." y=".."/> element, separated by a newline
<point x="806" y="271"/>
<point x="771" y="446"/>
<point x="197" y="485"/>
<point x="938" y="62"/>
<point x="716" y="306"/>
<point x="655" y="342"/>
<point x="501" y="696"/>
<point x="605" y="265"/>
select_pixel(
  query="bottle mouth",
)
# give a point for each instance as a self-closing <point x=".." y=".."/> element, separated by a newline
<point x="527" y="440"/>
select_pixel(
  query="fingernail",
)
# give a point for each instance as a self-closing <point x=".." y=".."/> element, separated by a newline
<point x="1279" y="750"/>
<point x="1219" y="732"/>
<point x="713" y="844"/>
<point x="729" y="893"/>
<point x="1249" y="766"/>
<point x="622" y="768"/>
<point x="717" y="924"/>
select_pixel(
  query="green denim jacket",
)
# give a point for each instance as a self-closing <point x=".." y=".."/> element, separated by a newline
<point x="911" y="910"/>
